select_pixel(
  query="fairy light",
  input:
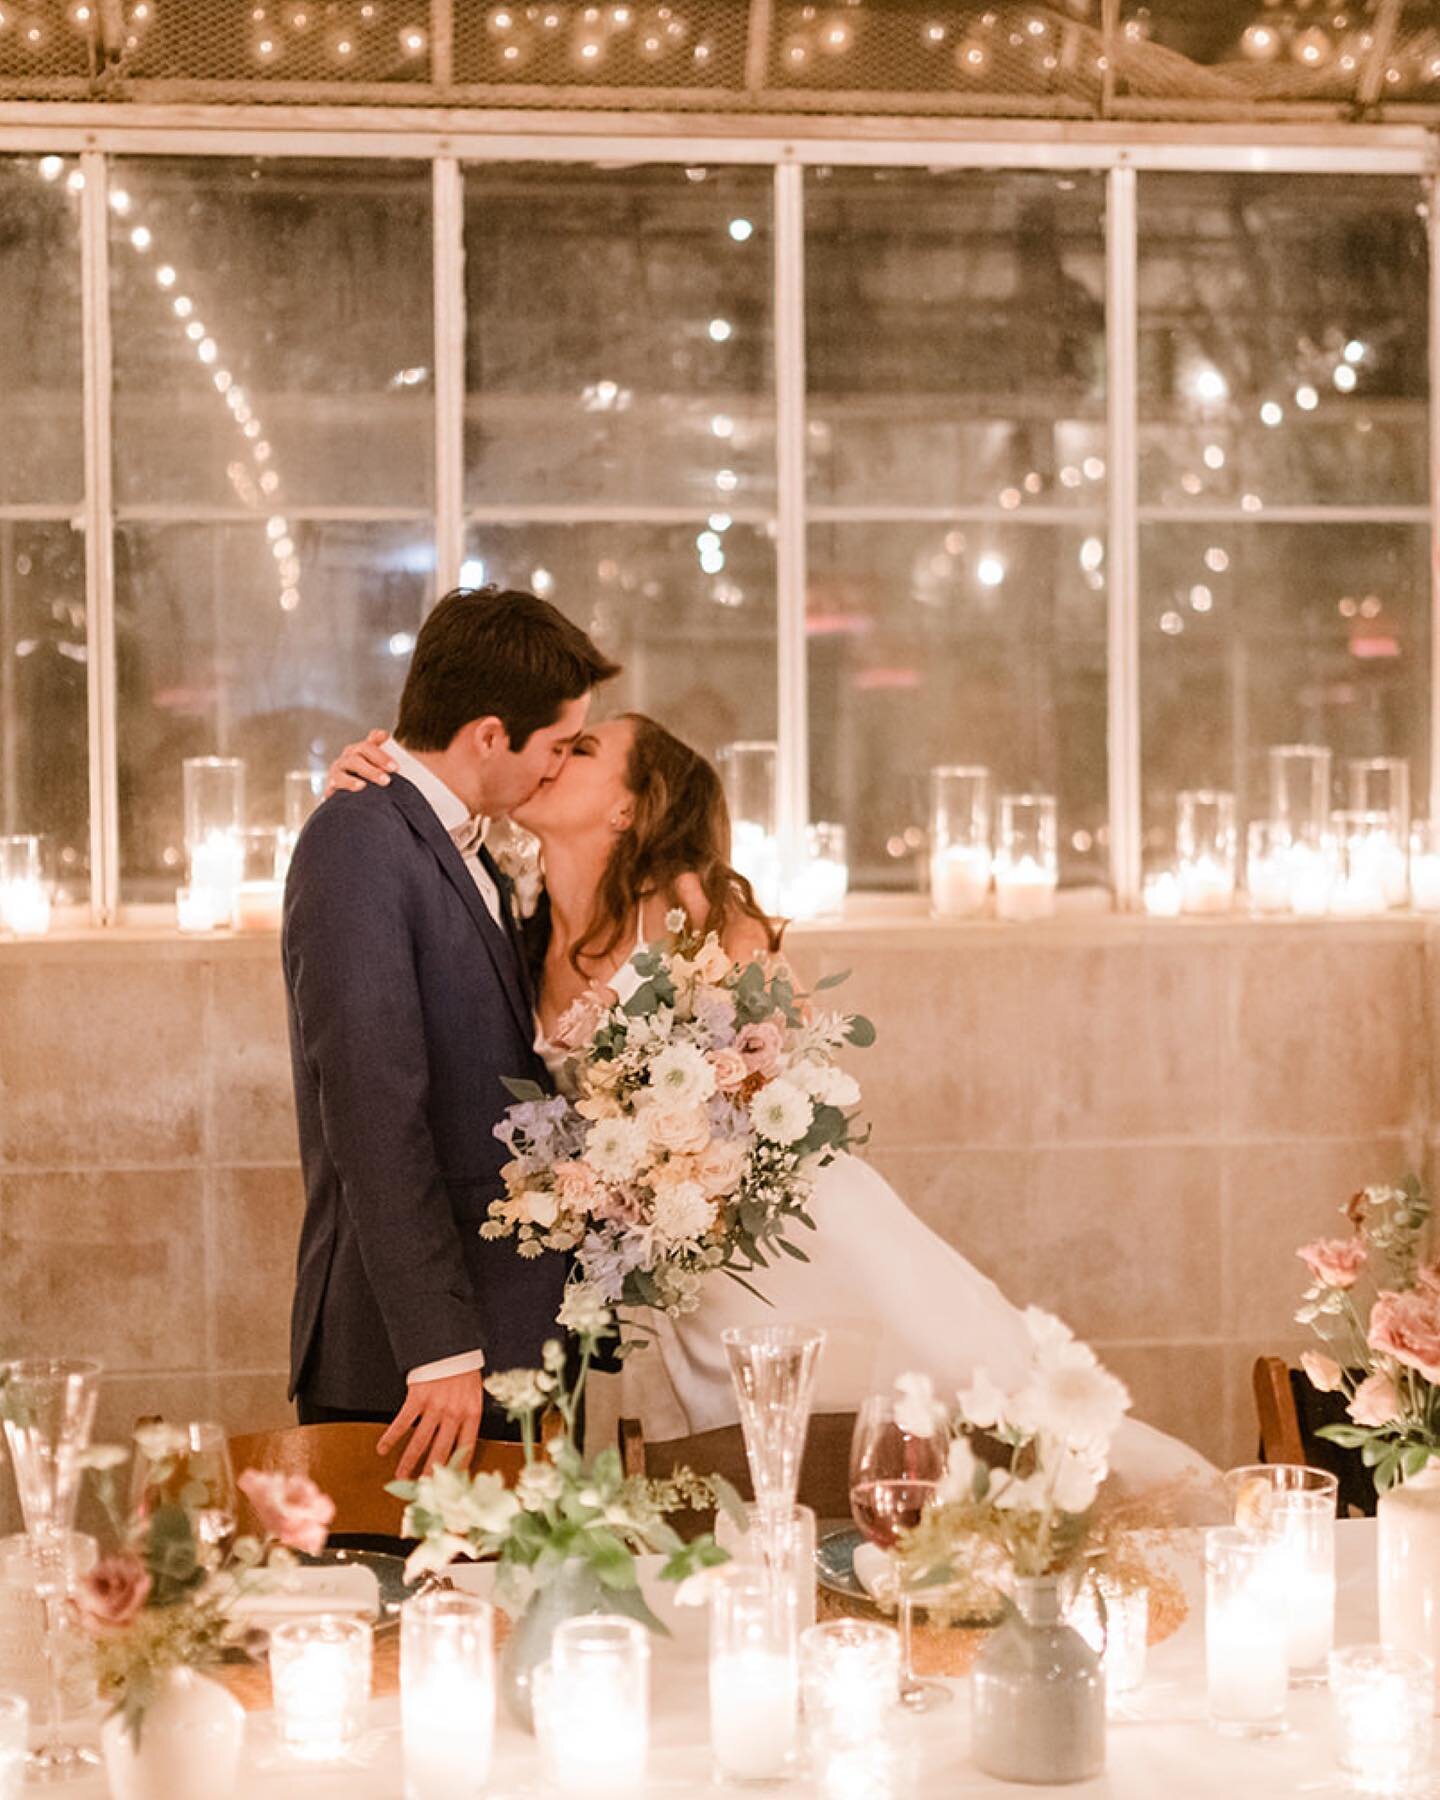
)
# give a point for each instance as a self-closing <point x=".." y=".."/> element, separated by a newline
<point x="51" y="167"/>
<point x="165" y="276"/>
<point x="741" y="230"/>
<point x="720" y="331"/>
<point x="413" y="41"/>
<point x="194" y="331"/>
<point x="140" y="237"/>
<point x="75" y="181"/>
<point x="183" y="306"/>
<point x="119" y="201"/>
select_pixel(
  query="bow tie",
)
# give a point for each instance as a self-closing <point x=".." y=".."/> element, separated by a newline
<point x="468" y="837"/>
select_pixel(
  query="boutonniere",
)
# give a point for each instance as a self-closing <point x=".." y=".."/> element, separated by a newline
<point x="517" y="856"/>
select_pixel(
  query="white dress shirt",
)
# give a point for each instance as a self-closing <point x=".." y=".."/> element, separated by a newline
<point x="452" y="813"/>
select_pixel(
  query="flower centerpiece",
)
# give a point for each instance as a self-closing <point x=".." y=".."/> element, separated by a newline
<point x="159" y="1608"/>
<point x="567" y="1534"/>
<point x="695" y="1118"/>
<point x="1375" y="1305"/>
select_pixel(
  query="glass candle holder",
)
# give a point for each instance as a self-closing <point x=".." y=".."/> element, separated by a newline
<point x="817" y="889"/>
<point x="1027" y="867"/>
<point x="320" y="1679"/>
<point x="754" y="1676"/>
<point x="1267" y="879"/>
<point x="214" y="828"/>
<point x="1294" y="1507"/>
<point x="260" y="893"/>
<point x="447" y="1695"/>
<point x="1115" y="1622"/>
<point x="748" y="773"/>
<point x="773" y="1368"/>
<point x="304" y="790"/>
<point x="1368" y="864"/>
<point x="24" y="893"/>
<point x="1162" y="894"/>
<point x="959" y="841"/>
<point x="1378" y="787"/>
<point x="197" y="909"/>
<point x="14" y="1732"/>
<point x="1425" y="866"/>
<point x="1205" y="848"/>
<point x="1300" y="793"/>
<point x="1383" y="1703"/>
<point x="1246" y="1662"/>
<point x="592" y="1707"/>
<point x="780" y="1538"/>
<point x="849" y="1677"/>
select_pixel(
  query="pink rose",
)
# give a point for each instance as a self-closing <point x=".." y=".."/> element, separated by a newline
<point x="113" y="1593"/>
<point x="1324" y="1372"/>
<point x="761" y="1045"/>
<point x="1375" y="1401"/>
<point x="730" y="1070"/>
<point x="1407" y="1327"/>
<point x="290" y="1508"/>
<point x="1335" y="1262"/>
<point x="684" y="1132"/>
<point x="718" y="1167"/>
<point x="579" y="1021"/>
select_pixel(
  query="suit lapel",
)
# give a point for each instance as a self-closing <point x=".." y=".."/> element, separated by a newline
<point x="506" y="889"/>
<point x="498" y="943"/>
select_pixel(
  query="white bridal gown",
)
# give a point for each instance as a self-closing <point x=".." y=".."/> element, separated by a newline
<point x="891" y="1296"/>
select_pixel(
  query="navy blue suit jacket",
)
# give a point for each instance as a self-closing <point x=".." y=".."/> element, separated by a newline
<point x="408" y="1004"/>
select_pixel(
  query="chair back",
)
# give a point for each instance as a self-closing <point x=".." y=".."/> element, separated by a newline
<point x="824" y="1472"/>
<point x="341" y="1459"/>
<point x="1291" y="1410"/>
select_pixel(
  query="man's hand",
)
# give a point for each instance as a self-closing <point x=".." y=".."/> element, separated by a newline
<point x="442" y="1417"/>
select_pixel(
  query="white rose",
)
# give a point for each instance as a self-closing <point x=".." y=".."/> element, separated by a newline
<point x="824" y="1082"/>
<point x="781" y="1113"/>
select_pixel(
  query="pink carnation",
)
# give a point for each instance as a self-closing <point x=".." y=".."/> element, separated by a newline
<point x="761" y="1045"/>
<point x="290" y="1508"/>
<point x="113" y="1593"/>
<point x="1407" y="1327"/>
<point x="1375" y="1401"/>
<point x="1335" y="1262"/>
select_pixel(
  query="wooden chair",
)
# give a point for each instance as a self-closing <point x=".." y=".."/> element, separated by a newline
<point x="824" y="1472"/>
<point x="1290" y="1410"/>
<point x="341" y="1460"/>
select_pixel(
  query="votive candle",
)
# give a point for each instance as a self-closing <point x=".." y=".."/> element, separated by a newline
<point x="1162" y="895"/>
<point x="592" y="1707"/>
<point x="1383" y="1703"/>
<point x="195" y="909"/>
<point x="447" y="1695"/>
<point x="754" y="1675"/>
<point x="1246" y="1663"/>
<point x="320" y="1677"/>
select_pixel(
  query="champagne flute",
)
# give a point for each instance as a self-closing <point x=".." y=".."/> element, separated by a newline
<point x="188" y="1466"/>
<point x="48" y="1409"/>
<point x="893" y="1477"/>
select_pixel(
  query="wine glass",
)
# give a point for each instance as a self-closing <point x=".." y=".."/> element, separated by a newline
<point x="188" y="1466"/>
<point x="893" y="1477"/>
<point x="48" y="1409"/>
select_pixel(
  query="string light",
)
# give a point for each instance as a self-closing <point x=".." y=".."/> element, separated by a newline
<point x="741" y="230"/>
<point x="51" y="168"/>
<point x="413" y="41"/>
<point x="165" y="276"/>
<point x="720" y="331"/>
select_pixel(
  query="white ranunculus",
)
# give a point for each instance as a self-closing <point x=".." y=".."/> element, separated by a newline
<point x="1047" y="1333"/>
<point x="984" y="1403"/>
<point x="681" y="1077"/>
<point x="1071" y="1397"/>
<point x="958" y="1481"/>
<point x="781" y="1113"/>
<point x="1077" y="1479"/>
<point x="616" y="1148"/>
<point x="917" y="1412"/>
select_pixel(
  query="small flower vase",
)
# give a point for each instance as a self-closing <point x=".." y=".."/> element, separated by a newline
<point x="1037" y="1694"/>
<point x="189" y="1744"/>
<point x="1408" y="1518"/>
<point x="572" y="1592"/>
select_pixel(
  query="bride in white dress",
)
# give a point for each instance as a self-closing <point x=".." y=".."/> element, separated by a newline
<point x="635" y="824"/>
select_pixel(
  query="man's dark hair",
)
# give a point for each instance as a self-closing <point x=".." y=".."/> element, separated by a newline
<point x="491" y="652"/>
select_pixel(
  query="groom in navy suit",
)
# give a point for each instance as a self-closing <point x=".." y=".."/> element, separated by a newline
<point x="409" y="1002"/>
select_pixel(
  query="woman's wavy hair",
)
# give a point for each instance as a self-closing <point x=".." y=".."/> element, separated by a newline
<point x="681" y="826"/>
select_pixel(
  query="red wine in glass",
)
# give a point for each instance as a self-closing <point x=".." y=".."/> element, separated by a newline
<point x="884" y="1509"/>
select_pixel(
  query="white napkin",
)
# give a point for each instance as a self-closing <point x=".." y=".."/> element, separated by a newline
<point x="875" y="1571"/>
<point x="344" y="1588"/>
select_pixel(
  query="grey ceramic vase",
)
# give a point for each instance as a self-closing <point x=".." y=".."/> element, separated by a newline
<point x="573" y="1592"/>
<point x="1037" y="1695"/>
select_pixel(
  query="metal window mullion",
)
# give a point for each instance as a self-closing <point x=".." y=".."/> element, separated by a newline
<point x="449" y="353"/>
<point x="792" y="711"/>
<point x="1123" y="554"/>
<point x="99" y="543"/>
<point x="1433" y="196"/>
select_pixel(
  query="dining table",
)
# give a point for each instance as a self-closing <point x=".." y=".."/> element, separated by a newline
<point x="1159" y="1740"/>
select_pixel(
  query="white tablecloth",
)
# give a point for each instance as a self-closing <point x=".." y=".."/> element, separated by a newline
<point x="1163" y="1749"/>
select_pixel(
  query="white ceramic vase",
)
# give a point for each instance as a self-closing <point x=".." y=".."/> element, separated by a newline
<point x="189" y="1744"/>
<point x="1409" y="1565"/>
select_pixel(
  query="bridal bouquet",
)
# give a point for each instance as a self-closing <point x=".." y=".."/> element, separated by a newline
<point x="698" y="1115"/>
<point x="1035" y="1513"/>
<point x="1376" y="1305"/>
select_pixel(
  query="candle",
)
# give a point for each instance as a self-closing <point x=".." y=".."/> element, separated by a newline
<point x="1206" y="885"/>
<point x="1310" y="877"/>
<point x="1425" y="881"/>
<point x="1024" y="889"/>
<point x="1383" y="1701"/>
<point x="258" y="904"/>
<point x="217" y="864"/>
<point x="447" y="1695"/>
<point x="755" y="852"/>
<point x="849" y="1677"/>
<point x="959" y="881"/>
<point x="753" y="1713"/>
<point x="196" y="910"/>
<point x="25" y="908"/>
<point x="1246" y="1662"/>
<point x="320" y="1678"/>
<point x="592" y="1707"/>
<point x="1162" y="895"/>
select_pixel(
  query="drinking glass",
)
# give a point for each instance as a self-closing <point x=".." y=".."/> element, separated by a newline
<point x="188" y="1465"/>
<point x="48" y="1406"/>
<point x="773" y="1368"/>
<point x="782" y="1539"/>
<point x="893" y="1477"/>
